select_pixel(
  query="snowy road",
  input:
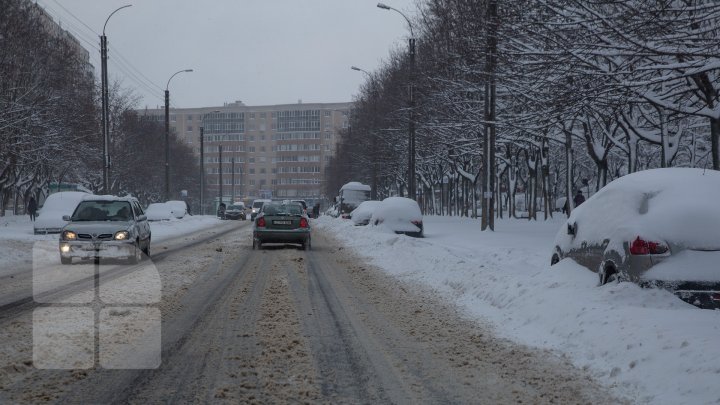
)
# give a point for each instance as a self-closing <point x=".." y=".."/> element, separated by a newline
<point x="285" y="325"/>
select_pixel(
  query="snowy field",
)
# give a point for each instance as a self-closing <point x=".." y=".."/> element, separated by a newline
<point x="645" y="344"/>
<point x="16" y="236"/>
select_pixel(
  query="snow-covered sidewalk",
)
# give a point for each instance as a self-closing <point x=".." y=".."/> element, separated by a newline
<point x="646" y="344"/>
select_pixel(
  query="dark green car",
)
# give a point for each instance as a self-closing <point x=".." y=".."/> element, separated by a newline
<point x="282" y="222"/>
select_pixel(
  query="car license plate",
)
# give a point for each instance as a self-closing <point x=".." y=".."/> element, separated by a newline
<point x="276" y="222"/>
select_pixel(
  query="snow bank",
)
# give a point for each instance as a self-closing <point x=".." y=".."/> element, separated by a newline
<point x="645" y="344"/>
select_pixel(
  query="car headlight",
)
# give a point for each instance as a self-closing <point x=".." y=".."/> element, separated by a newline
<point x="69" y="235"/>
<point x="122" y="235"/>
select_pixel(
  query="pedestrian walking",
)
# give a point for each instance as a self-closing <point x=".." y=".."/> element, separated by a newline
<point x="579" y="198"/>
<point x="32" y="208"/>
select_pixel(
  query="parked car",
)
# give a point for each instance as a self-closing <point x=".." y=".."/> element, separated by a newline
<point x="57" y="205"/>
<point x="106" y="227"/>
<point x="362" y="214"/>
<point x="235" y="211"/>
<point x="401" y="215"/>
<point x="658" y="228"/>
<point x="159" y="212"/>
<point x="282" y="222"/>
<point x="179" y="208"/>
<point x="257" y="206"/>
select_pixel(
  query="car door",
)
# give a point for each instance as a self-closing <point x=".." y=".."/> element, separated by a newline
<point x="142" y="226"/>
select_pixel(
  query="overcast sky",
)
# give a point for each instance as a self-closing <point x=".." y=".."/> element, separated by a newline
<point x="258" y="51"/>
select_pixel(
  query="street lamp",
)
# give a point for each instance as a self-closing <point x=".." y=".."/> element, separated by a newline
<point x="105" y="103"/>
<point x="167" y="133"/>
<point x="411" y="101"/>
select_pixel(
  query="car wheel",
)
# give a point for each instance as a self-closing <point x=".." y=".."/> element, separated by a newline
<point x="65" y="260"/>
<point x="137" y="255"/>
<point x="555" y="259"/>
<point x="308" y="244"/>
<point x="254" y="244"/>
<point x="147" y="250"/>
<point x="608" y="274"/>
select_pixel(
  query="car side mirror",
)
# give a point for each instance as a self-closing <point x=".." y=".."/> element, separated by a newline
<point x="66" y="218"/>
<point x="142" y="218"/>
<point x="572" y="229"/>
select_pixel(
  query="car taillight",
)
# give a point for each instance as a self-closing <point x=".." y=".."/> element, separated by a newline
<point x="303" y="223"/>
<point x="715" y="297"/>
<point x="642" y="247"/>
<point x="261" y="222"/>
<point x="417" y="223"/>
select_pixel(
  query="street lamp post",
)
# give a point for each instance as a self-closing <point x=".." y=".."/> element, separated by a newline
<point x="202" y="168"/>
<point x="220" y="170"/>
<point x="411" y="101"/>
<point x="105" y="104"/>
<point x="167" y="133"/>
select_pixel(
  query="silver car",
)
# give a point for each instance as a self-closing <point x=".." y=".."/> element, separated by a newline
<point x="657" y="228"/>
<point x="106" y="227"/>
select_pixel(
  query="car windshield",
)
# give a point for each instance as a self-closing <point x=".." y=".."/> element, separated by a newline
<point x="102" y="211"/>
<point x="235" y="208"/>
<point x="257" y="204"/>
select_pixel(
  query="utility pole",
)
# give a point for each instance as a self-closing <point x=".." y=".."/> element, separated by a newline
<point x="488" y="201"/>
<point x="220" y="193"/>
<point x="105" y="104"/>
<point x="202" y="170"/>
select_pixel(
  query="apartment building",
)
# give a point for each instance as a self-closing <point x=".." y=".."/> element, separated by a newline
<point x="272" y="151"/>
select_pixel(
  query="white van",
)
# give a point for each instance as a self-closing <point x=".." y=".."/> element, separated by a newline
<point x="257" y="206"/>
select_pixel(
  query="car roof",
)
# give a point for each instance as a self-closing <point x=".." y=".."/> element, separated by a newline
<point x="92" y="197"/>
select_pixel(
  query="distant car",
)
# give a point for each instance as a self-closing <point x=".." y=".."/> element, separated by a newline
<point x="658" y="228"/>
<point x="159" y="212"/>
<point x="401" y="215"/>
<point x="235" y="211"/>
<point x="57" y="205"/>
<point x="179" y="208"/>
<point x="106" y="227"/>
<point x="257" y="206"/>
<point x="303" y="203"/>
<point x="282" y="222"/>
<point x="362" y="214"/>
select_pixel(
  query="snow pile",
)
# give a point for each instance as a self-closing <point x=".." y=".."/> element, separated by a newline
<point x="55" y="206"/>
<point x="398" y="214"/>
<point x="645" y="344"/>
<point x="362" y="214"/>
<point x="159" y="212"/>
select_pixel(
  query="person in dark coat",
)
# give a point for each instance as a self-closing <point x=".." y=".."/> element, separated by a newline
<point x="316" y="210"/>
<point x="579" y="198"/>
<point x="32" y="208"/>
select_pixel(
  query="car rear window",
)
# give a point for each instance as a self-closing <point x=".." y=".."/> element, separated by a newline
<point x="280" y="209"/>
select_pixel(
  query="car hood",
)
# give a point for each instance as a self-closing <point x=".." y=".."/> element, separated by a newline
<point x="98" y="227"/>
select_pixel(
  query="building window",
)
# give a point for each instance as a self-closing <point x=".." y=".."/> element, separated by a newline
<point x="189" y="117"/>
<point x="262" y="170"/>
<point x="262" y="149"/>
<point x="189" y="128"/>
<point x="252" y="182"/>
<point x="328" y="135"/>
<point x="251" y="160"/>
<point x="252" y="170"/>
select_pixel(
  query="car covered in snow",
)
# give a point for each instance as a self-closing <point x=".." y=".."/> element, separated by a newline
<point x="362" y="214"/>
<point x="178" y="207"/>
<point x="159" y="212"/>
<point x="57" y="205"/>
<point x="400" y="215"/>
<point x="106" y="227"/>
<point x="658" y="228"/>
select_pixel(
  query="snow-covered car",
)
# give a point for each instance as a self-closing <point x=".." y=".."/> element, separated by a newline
<point x="179" y="208"/>
<point x="159" y="212"/>
<point x="57" y="205"/>
<point x="362" y="214"/>
<point x="105" y="227"/>
<point x="658" y="228"/>
<point x="399" y="214"/>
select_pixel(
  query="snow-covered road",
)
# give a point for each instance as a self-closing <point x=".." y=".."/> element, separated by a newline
<point x="646" y="344"/>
